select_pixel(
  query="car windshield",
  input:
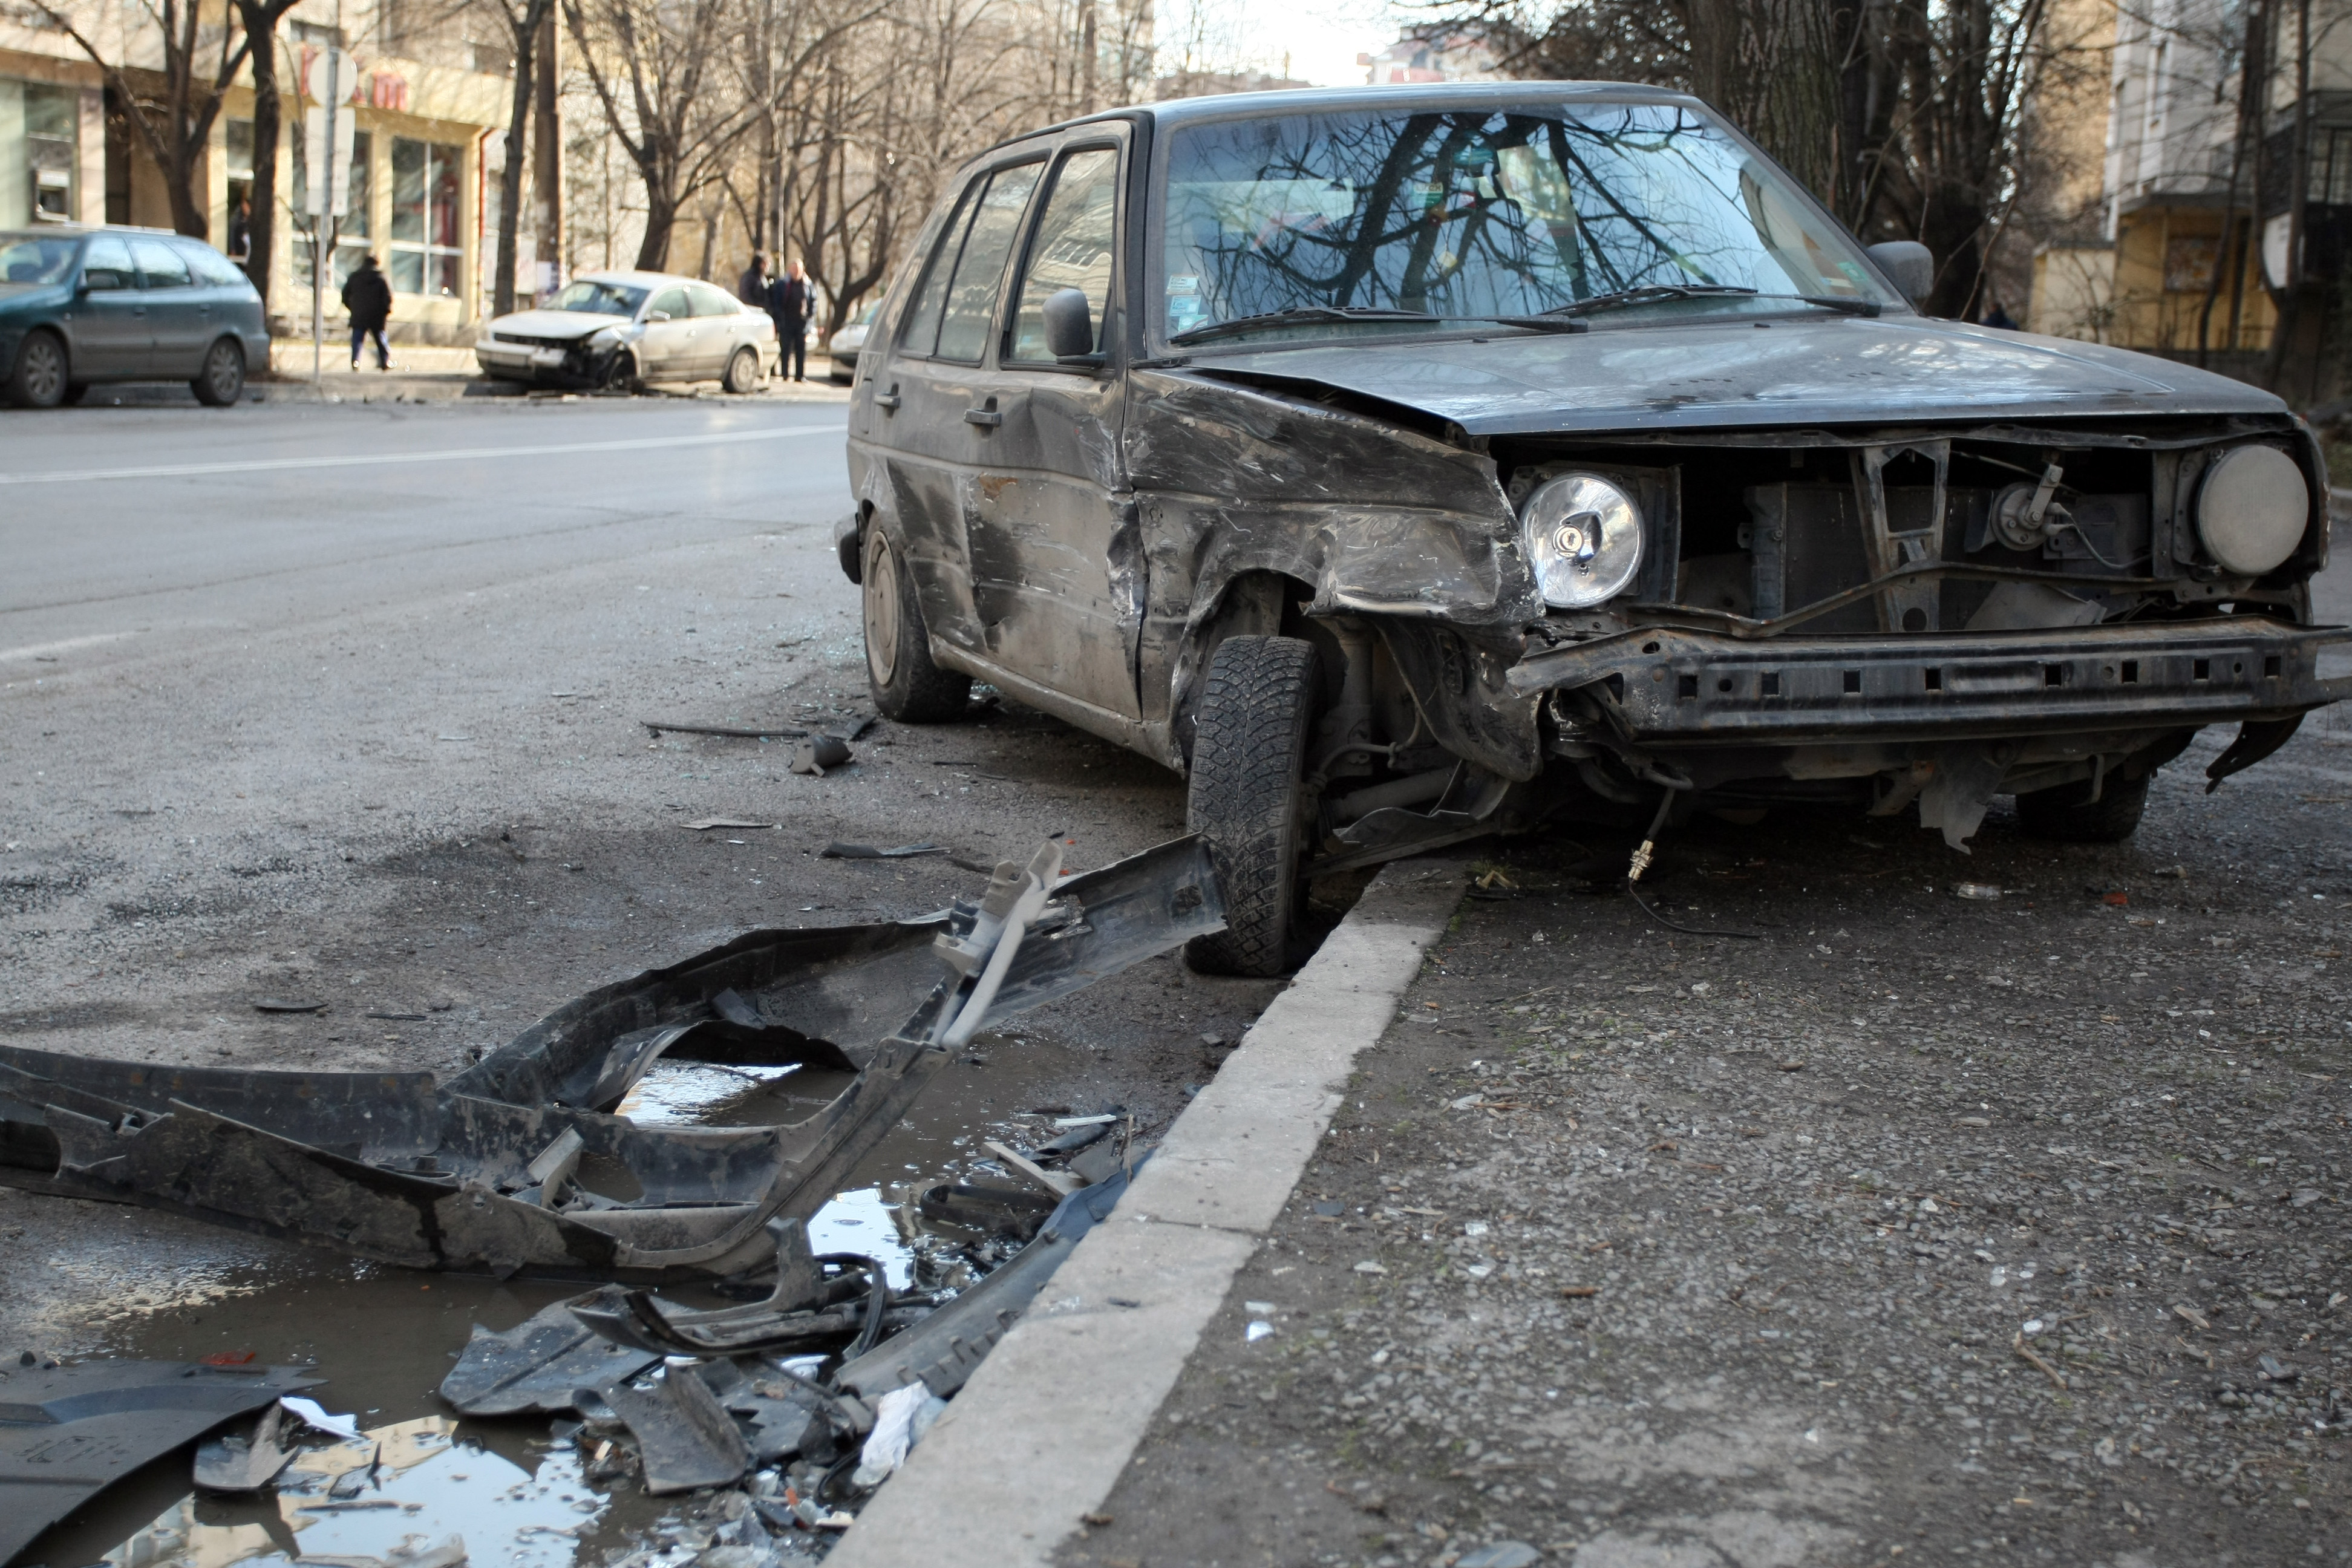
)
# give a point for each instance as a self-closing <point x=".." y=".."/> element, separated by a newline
<point x="598" y="298"/>
<point x="37" y="258"/>
<point x="1485" y="211"/>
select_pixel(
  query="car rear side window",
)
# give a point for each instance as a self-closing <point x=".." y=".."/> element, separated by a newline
<point x="710" y="301"/>
<point x="1073" y="247"/>
<point x="107" y="265"/>
<point x="210" y="268"/>
<point x="161" y="264"/>
<point x="923" y="322"/>
<point x="980" y="270"/>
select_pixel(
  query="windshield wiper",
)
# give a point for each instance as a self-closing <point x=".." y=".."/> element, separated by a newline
<point x="1657" y="292"/>
<point x="1548" y="321"/>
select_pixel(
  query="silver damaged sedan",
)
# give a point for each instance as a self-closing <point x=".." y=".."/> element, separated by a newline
<point x="621" y="331"/>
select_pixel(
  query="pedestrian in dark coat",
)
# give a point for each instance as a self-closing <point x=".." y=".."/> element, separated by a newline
<point x="789" y="302"/>
<point x="753" y="287"/>
<point x="368" y="297"/>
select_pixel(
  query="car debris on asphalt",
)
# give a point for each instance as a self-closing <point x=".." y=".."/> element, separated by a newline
<point x="498" y="1168"/>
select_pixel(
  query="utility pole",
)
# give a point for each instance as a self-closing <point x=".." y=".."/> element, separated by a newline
<point x="322" y="200"/>
<point x="547" y="155"/>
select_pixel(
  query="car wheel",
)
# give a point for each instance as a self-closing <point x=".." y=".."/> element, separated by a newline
<point x="38" y="380"/>
<point x="743" y="373"/>
<point x="1248" y="797"/>
<point x="906" y="685"/>
<point x="620" y="372"/>
<point x="221" y="382"/>
<point x="2067" y="816"/>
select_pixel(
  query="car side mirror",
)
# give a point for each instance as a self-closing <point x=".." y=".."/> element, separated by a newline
<point x="1909" y="264"/>
<point x="1069" y="324"/>
<point x="82" y="285"/>
<point x="653" y="316"/>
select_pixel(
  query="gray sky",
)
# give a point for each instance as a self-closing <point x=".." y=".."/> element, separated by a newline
<point x="1321" y="38"/>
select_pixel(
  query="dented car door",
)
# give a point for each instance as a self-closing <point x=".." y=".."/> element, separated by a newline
<point x="931" y="400"/>
<point x="1056" y="574"/>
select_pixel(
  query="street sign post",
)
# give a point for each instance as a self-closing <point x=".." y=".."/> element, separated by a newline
<point x="326" y="140"/>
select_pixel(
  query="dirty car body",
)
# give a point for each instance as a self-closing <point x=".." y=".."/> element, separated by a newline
<point x="1590" y="456"/>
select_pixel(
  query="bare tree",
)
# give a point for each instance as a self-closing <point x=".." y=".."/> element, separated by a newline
<point x="524" y="23"/>
<point x="174" y="128"/>
<point x="656" y="68"/>
<point x="261" y="19"/>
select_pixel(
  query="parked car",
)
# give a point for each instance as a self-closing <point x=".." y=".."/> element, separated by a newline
<point x="619" y="331"/>
<point x="1417" y="464"/>
<point x="843" y="345"/>
<point x="81" y="306"/>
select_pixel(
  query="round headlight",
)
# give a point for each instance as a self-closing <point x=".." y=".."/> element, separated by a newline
<point x="2253" y="509"/>
<point x="1583" y="538"/>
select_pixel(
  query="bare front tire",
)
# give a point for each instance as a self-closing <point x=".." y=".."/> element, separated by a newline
<point x="743" y="372"/>
<point x="2066" y="814"/>
<point x="221" y="382"/>
<point x="1248" y="797"/>
<point x="906" y="685"/>
<point x="38" y="379"/>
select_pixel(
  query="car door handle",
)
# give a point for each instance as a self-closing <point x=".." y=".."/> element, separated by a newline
<point x="986" y="417"/>
<point x="887" y="401"/>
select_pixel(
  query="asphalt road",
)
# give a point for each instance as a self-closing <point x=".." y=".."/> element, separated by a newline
<point x="345" y="704"/>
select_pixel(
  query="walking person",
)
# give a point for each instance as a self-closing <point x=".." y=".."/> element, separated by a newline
<point x="368" y="297"/>
<point x="788" y="304"/>
<point x="752" y="288"/>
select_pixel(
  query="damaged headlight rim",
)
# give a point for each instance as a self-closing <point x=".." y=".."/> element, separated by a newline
<point x="2252" y="508"/>
<point x="1584" y="536"/>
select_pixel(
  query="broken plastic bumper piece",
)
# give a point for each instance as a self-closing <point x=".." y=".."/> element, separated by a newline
<point x="518" y="1165"/>
<point x="1665" y="684"/>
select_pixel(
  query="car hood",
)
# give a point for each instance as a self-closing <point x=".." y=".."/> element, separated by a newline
<point x="556" y="323"/>
<point x="1830" y="371"/>
<point x="26" y="296"/>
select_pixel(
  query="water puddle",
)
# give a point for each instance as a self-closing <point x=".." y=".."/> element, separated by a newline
<point x="515" y="1493"/>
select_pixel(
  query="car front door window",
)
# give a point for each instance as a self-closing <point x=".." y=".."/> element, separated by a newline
<point x="667" y="345"/>
<point x="1072" y="250"/>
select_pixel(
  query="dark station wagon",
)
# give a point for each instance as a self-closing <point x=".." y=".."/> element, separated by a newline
<point x="81" y="306"/>
<point x="1412" y="464"/>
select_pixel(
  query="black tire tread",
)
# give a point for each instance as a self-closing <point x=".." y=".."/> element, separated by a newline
<point x="1249" y="752"/>
<point x="2060" y="815"/>
<point x="920" y="691"/>
<point x="17" y="392"/>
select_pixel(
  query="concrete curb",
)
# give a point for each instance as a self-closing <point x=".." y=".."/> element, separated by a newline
<point x="1040" y="1435"/>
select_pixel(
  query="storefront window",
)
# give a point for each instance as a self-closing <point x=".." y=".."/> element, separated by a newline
<point x="49" y="139"/>
<point x="427" y="186"/>
<point x="352" y="230"/>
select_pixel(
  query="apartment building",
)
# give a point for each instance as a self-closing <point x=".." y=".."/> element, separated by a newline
<point x="2207" y="214"/>
<point x="427" y="96"/>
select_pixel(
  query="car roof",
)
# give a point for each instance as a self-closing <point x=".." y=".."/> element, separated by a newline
<point x="1330" y="100"/>
<point x="638" y="279"/>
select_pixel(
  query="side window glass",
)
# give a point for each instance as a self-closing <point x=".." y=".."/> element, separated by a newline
<point x="980" y="270"/>
<point x="710" y="301"/>
<point x="107" y="265"/>
<point x="922" y="333"/>
<point x="1073" y="247"/>
<point x="161" y="263"/>
<point x="209" y="266"/>
<point x="671" y="303"/>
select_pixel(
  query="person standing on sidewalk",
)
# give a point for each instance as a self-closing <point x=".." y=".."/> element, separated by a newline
<point x="752" y="288"/>
<point x="368" y="297"/>
<point x="788" y="304"/>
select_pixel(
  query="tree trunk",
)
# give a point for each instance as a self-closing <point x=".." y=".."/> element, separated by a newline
<point x="526" y="44"/>
<point x="661" y="217"/>
<point x="269" y="107"/>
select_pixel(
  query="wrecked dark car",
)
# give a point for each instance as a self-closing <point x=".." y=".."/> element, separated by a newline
<point x="1412" y="464"/>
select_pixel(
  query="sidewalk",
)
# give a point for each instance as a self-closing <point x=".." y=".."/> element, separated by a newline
<point x="421" y="373"/>
<point x="1632" y="1249"/>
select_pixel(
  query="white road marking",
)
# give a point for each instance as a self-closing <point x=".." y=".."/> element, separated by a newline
<point x="51" y="649"/>
<point x="450" y="455"/>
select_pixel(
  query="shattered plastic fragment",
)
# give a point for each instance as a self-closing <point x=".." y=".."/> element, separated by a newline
<point x="817" y="754"/>
<point x="245" y="1464"/>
